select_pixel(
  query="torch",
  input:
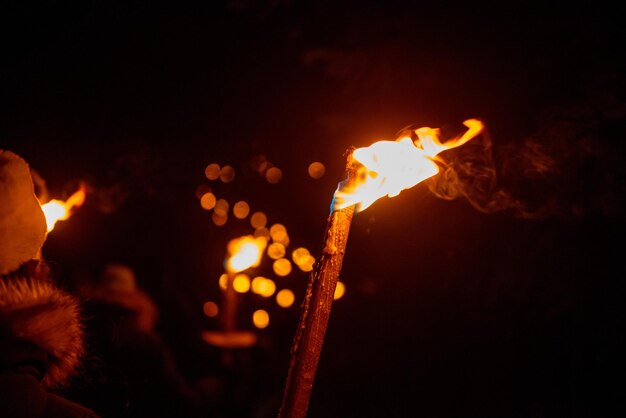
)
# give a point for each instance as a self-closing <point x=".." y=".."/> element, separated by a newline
<point x="385" y="168"/>
<point x="59" y="210"/>
<point x="242" y="253"/>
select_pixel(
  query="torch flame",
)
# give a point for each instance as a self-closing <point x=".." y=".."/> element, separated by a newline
<point x="245" y="252"/>
<point x="58" y="210"/>
<point x="388" y="167"/>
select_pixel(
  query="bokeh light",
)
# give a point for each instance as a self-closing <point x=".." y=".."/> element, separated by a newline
<point x="282" y="267"/>
<point x="207" y="201"/>
<point x="316" y="170"/>
<point x="307" y="264"/>
<point x="202" y="189"/>
<point x="262" y="232"/>
<point x="340" y="290"/>
<point x="285" y="298"/>
<point x="210" y="309"/>
<point x="276" y="250"/>
<point x="219" y="220"/>
<point x="241" y="209"/>
<point x="299" y="255"/>
<point x="223" y="281"/>
<point x="303" y="259"/>
<point x="278" y="232"/>
<point x="263" y="286"/>
<point x="259" y="164"/>
<point x="227" y="174"/>
<point x="221" y="207"/>
<point x="274" y="175"/>
<point x="261" y="319"/>
<point x="212" y="171"/>
<point x="241" y="283"/>
<point x="258" y="220"/>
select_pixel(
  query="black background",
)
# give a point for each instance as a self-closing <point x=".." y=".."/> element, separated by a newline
<point x="449" y="311"/>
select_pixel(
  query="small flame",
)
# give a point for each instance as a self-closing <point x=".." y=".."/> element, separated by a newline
<point x="388" y="167"/>
<point x="245" y="252"/>
<point x="58" y="210"/>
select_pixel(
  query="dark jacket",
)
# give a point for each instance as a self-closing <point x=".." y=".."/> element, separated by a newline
<point x="129" y="370"/>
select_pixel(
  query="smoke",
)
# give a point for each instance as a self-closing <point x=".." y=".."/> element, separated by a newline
<point x="108" y="199"/>
<point x="131" y="173"/>
<point x="136" y="172"/>
<point x="571" y="167"/>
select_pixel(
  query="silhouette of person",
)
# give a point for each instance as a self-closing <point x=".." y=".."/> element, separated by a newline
<point x="130" y="372"/>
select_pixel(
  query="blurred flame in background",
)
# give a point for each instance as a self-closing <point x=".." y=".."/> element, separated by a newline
<point x="245" y="252"/>
<point x="268" y="239"/>
<point x="58" y="210"/>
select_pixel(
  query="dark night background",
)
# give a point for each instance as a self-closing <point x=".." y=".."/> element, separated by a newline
<point x="449" y="312"/>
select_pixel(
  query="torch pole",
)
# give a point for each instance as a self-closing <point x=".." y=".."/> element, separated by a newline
<point x="307" y="343"/>
<point x="228" y="320"/>
<point x="229" y="297"/>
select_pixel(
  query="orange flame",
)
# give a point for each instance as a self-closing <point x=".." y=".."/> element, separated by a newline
<point x="245" y="252"/>
<point x="388" y="167"/>
<point x="58" y="210"/>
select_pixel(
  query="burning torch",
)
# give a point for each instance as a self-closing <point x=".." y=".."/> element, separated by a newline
<point x="385" y="168"/>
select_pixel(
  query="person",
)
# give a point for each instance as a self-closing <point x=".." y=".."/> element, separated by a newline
<point x="131" y="371"/>
<point x="41" y="328"/>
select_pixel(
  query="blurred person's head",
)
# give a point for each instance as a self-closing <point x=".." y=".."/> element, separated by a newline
<point x="117" y="286"/>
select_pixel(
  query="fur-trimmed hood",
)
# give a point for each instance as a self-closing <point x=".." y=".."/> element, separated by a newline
<point x="33" y="309"/>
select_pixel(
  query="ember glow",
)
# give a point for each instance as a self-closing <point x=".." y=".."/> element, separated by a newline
<point x="388" y="167"/>
<point x="245" y="252"/>
<point x="58" y="210"/>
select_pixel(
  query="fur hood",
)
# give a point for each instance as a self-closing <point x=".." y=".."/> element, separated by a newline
<point x="33" y="309"/>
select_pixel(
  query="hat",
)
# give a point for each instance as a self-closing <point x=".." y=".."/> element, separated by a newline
<point x="118" y="287"/>
<point x="22" y="222"/>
